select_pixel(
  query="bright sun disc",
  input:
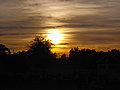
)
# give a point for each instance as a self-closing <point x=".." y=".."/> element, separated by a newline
<point x="55" y="36"/>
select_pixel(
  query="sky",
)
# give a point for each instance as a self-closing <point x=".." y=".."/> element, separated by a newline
<point x="93" y="24"/>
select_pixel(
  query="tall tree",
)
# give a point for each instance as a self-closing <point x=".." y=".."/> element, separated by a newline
<point x="40" y="46"/>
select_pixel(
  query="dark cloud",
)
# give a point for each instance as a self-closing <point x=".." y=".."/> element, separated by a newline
<point x="63" y="44"/>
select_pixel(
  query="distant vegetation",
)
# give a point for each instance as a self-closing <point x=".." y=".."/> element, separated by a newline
<point x="91" y="69"/>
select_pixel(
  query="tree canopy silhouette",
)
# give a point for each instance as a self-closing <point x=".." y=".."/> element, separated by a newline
<point x="4" y="50"/>
<point x="40" y="46"/>
<point x="40" y="54"/>
<point x="92" y="69"/>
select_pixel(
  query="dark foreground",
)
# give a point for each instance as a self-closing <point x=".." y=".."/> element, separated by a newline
<point x="39" y="69"/>
<point x="14" y="84"/>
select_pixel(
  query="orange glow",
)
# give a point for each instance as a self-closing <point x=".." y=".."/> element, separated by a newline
<point x="55" y="36"/>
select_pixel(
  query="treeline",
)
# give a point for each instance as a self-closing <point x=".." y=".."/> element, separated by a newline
<point x="92" y="69"/>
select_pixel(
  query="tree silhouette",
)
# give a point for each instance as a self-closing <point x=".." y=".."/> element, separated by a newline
<point x="40" y="46"/>
<point x="4" y="50"/>
<point x="40" y="55"/>
<point x="92" y="69"/>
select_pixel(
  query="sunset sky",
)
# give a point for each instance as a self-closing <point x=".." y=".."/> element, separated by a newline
<point x="93" y="24"/>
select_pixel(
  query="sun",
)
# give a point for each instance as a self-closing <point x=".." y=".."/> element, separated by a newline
<point x="55" y="36"/>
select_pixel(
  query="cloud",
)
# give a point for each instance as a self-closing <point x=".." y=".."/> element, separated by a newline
<point x="84" y="22"/>
<point x="63" y="44"/>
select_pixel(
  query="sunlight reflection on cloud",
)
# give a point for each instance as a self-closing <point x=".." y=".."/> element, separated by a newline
<point x="81" y="21"/>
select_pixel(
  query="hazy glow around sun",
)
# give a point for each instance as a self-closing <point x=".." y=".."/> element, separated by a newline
<point x="55" y="36"/>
